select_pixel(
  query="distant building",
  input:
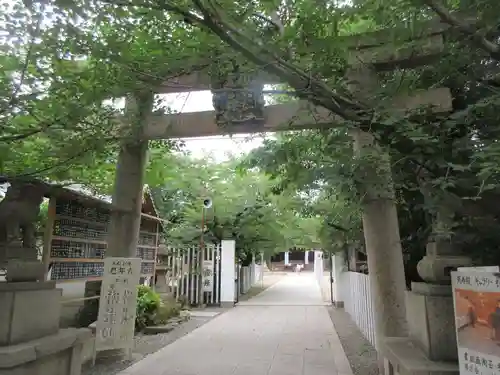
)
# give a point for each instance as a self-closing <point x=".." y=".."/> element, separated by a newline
<point x="286" y="260"/>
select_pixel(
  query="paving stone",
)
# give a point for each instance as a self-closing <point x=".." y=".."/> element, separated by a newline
<point x="286" y="330"/>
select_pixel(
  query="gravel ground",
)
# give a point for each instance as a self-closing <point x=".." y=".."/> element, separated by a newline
<point x="143" y="346"/>
<point x="361" y="354"/>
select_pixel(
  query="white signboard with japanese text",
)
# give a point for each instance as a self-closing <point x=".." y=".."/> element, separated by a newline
<point x="476" y="295"/>
<point x="481" y="268"/>
<point x="115" y="325"/>
<point x="208" y="276"/>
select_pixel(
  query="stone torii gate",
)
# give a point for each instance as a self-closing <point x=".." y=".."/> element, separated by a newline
<point x="368" y="53"/>
<point x="375" y="49"/>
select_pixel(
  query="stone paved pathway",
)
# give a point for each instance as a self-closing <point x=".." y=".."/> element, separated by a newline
<point x="286" y="330"/>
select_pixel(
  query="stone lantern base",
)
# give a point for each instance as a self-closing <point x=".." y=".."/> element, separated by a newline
<point x="31" y="342"/>
<point x="431" y="320"/>
<point x="431" y="347"/>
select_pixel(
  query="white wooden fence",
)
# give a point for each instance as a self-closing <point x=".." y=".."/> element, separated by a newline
<point x="354" y="290"/>
<point x="195" y="275"/>
<point x="258" y="273"/>
<point x="249" y="276"/>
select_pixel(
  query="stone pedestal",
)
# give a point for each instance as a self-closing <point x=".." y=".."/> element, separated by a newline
<point x="58" y="354"/>
<point x="403" y="357"/>
<point x="431" y="346"/>
<point x="31" y="342"/>
<point x="23" y="271"/>
<point x="28" y="311"/>
<point x="431" y="320"/>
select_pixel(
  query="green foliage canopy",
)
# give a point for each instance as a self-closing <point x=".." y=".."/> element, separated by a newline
<point x="243" y="207"/>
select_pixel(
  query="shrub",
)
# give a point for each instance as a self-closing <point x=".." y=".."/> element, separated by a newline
<point x="148" y="304"/>
<point x="167" y="310"/>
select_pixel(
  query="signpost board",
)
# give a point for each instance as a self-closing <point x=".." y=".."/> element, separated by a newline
<point x="115" y="325"/>
<point x="476" y="295"/>
<point x="208" y="276"/>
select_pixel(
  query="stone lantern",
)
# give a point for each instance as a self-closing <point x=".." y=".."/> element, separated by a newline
<point x="163" y="271"/>
<point x="431" y="345"/>
<point x="30" y="339"/>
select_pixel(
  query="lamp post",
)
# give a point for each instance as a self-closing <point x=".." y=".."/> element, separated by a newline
<point x="207" y="203"/>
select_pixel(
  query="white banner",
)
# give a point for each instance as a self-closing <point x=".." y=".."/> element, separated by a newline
<point x="476" y="295"/>
<point x="115" y="325"/>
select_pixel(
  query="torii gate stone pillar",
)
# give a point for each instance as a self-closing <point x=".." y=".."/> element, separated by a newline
<point x="129" y="179"/>
<point x="380" y="220"/>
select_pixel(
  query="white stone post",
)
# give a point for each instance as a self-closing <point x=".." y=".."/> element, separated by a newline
<point x="287" y="257"/>
<point x="337" y="270"/>
<point x="248" y="277"/>
<point x="262" y="264"/>
<point x="245" y="279"/>
<point x="253" y="268"/>
<point x="306" y="257"/>
<point x="318" y="265"/>
<point x="227" y="267"/>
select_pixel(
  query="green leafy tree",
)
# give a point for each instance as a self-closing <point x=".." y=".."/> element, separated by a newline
<point x="64" y="59"/>
<point x="243" y="208"/>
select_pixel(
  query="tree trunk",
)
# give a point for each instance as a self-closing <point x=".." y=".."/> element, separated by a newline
<point x="129" y="180"/>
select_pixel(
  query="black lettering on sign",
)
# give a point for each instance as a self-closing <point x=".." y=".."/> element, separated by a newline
<point x="463" y="280"/>
<point x="107" y="332"/>
<point x="483" y="281"/>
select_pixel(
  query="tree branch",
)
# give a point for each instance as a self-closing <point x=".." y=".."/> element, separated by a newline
<point x="17" y="87"/>
<point x="213" y="20"/>
<point x="492" y="48"/>
<point x="307" y="87"/>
